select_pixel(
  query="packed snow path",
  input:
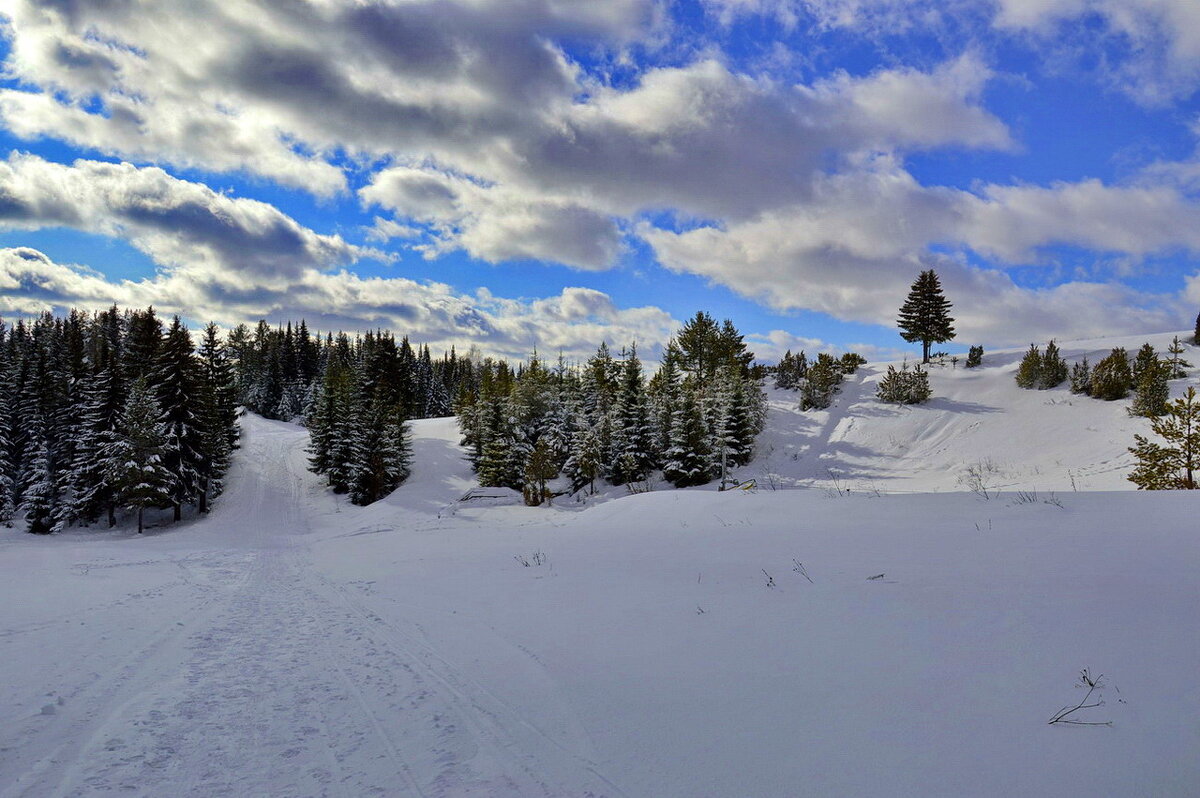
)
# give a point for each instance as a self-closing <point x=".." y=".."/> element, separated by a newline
<point x="246" y="672"/>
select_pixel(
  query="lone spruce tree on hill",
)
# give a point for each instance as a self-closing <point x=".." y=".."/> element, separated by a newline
<point x="925" y="315"/>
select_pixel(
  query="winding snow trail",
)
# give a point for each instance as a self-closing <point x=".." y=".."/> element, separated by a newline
<point x="251" y="673"/>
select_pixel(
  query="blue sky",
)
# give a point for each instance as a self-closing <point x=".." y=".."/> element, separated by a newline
<point x="511" y="174"/>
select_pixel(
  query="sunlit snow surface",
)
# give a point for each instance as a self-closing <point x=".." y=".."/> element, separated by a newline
<point x="292" y="644"/>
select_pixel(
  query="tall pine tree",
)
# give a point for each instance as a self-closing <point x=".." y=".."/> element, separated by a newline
<point x="925" y="314"/>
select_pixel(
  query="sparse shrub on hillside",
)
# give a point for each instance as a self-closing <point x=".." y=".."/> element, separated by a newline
<point x="980" y="478"/>
<point x="1030" y="368"/>
<point x="1054" y="369"/>
<point x="1151" y="393"/>
<point x="1111" y="378"/>
<point x="905" y="386"/>
<point x="824" y="377"/>
<point x="974" y="357"/>
<point x="851" y="361"/>
<point x="1173" y="466"/>
<point x="1081" y="378"/>
<point x="1175" y="363"/>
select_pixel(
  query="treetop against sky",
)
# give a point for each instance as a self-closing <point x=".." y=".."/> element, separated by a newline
<point x="549" y="173"/>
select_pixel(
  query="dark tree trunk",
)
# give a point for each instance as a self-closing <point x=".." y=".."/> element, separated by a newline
<point x="178" y="512"/>
<point x="141" y="510"/>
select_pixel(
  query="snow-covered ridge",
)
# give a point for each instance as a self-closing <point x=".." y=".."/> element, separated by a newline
<point x="978" y="420"/>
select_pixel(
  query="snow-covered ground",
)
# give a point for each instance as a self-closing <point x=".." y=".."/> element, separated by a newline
<point x="665" y="644"/>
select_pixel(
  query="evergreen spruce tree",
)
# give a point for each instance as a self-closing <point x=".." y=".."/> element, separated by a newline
<point x="41" y="500"/>
<point x="1030" y="369"/>
<point x="746" y="417"/>
<point x="925" y="314"/>
<point x="1151" y="392"/>
<point x="177" y="383"/>
<point x="974" y="357"/>
<point x="382" y="455"/>
<point x="1053" y="371"/>
<point x="664" y="391"/>
<point x="539" y="468"/>
<point x="560" y="427"/>
<point x="633" y="446"/>
<point x="332" y="419"/>
<point x="136" y="451"/>
<point x="689" y="460"/>
<point x="142" y="340"/>
<point x="91" y="492"/>
<point x="1144" y="361"/>
<point x="502" y="461"/>
<point x="1172" y="466"/>
<point x="1081" y="378"/>
<point x="1196" y="334"/>
<point x="584" y="464"/>
<point x="599" y="383"/>
<point x="1111" y="378"/>
<point x="8" y="493"/>
<point x="217" y="415"/>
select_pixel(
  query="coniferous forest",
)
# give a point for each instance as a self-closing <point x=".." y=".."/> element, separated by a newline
<point x="112" y="413"/>
<point x="605" y="421"/>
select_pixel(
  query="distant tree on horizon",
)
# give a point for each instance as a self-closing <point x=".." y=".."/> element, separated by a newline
<point x="925" y="314"/>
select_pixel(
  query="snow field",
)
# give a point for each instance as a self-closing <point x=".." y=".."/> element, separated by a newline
<point x="666" y="645"/>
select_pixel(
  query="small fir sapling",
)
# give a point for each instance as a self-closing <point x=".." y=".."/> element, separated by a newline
<point x="974" y="357"/>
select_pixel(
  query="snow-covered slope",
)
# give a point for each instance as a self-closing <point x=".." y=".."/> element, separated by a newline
<point x="978" y="419"/>
<point x="677" y="643"/>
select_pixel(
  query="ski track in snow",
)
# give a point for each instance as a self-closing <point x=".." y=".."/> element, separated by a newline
<point x="277" y="681"/>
